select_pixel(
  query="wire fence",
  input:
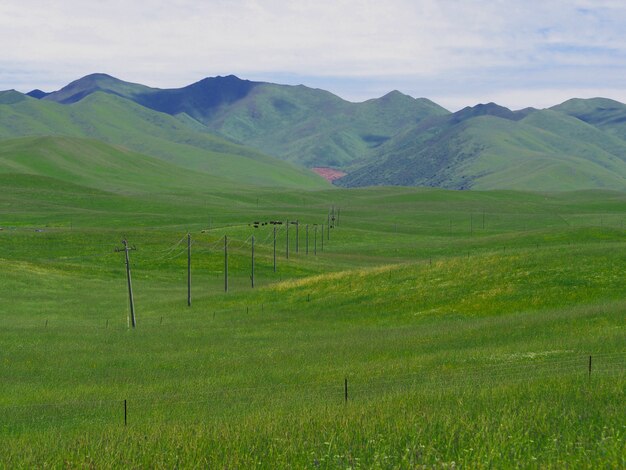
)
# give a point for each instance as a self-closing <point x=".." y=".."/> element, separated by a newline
<point x="349" y="387"/>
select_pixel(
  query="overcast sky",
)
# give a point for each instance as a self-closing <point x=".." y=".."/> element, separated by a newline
<point x="455" y="52"/>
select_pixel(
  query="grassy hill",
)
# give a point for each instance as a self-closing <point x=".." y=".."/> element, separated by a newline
<point x="315" y="128"/>
<point x="490" y="147"/>
<point x="118" y="121"/>
<point x="605" y="114"/>
<point x="97" y="165"/>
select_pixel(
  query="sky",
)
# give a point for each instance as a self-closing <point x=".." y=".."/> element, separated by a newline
<point x="455" y="52"/>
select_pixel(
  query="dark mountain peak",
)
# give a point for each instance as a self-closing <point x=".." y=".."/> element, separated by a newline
<point x="224" y="78"/>
<point x="488" y="109"/>
<point x="198" y="100"/>
<point x="219" y="83"/>
<point x="37" y="93"/>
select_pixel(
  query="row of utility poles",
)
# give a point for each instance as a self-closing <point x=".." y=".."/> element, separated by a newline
<point x="333" y="218"/>
<point x="287" y="251"/>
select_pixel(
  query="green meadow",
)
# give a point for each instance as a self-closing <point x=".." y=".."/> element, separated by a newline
<point x="461" y="322"/>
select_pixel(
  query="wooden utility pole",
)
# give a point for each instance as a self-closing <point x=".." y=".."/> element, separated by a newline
<point x="307" y="239"/>
<point x="225" y="263"/>
<point x="188" y="270"/>
<point x="297" y="237"/>
<point x="287" y="245"/>
<point x="328" y="229"/>
<point x="274" y="248"/>
<point x="132" y="318"/>
<point x="252" y="274"/>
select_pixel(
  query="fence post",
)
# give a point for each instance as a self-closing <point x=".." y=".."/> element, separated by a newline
<point x="225" y="263"/>
<point x="189" y="270"/>
<point x="252" y="273"/>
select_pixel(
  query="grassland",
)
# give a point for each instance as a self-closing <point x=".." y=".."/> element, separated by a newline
<point x="462" y="321"/>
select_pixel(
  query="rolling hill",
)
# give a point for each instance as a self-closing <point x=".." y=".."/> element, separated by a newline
<point x="607" y="115"/>
<point x="491" y="147"/>
<point x="94" y="164"/>
<point x="118" y="121"/>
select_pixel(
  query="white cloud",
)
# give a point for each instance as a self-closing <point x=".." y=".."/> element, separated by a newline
<point x="175" y="42"/>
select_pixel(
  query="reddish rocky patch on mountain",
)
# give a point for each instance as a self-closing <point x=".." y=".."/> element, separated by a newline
<point x="328" y="173"/>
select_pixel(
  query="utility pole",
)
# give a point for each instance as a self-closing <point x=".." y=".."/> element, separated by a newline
<point x="307" y="239"/>
<point x="328" y="229"/>
<point x="315" y="240"/>
<point x="252" y="275"/>
<point x="322" y="237"/>
<point x="274" y="248"/>
<point x="126" y="249"/>
<point x="225" y="263"/>
<point x="287" y="252"/>
<point x="188" y="270"/>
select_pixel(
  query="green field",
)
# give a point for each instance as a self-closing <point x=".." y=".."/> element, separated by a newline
<point x="462" y="322"/>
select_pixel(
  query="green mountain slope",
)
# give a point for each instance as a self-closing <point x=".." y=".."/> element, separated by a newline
<point x="79" y="89"/>
<point x="119" y="121"/>
<point x="489" y="149"/>
<point x="605" y="114"/>
<point x="94" y="164"/>
<point x="316" y="128"/>
<point x="307" y="126"/>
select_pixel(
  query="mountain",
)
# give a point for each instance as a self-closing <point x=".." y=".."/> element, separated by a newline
<point x="605" y="114"/>
<point x="316" y="128"/>
<point x="11" y="97"/>
<point x="303" y="125"/>
<point x="115" y="120"/>
<point x="37" y="93"/>
<point x="83" y="87"/>
<point x="218" y="124"/>
<point x="489" y="147"/>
